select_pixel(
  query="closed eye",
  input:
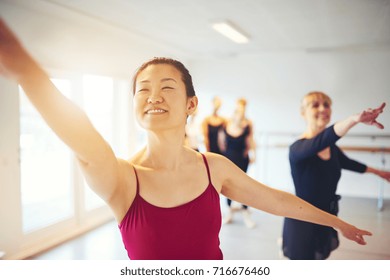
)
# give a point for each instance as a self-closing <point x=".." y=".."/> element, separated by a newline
<point x="315" y="105"/>
<point x="167" y="88"/>
<point x="326" y="105"/>
<point x="142" y="90"/>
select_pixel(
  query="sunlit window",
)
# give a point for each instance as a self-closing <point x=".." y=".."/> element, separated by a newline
<point x="98" y="104"/>
<point x="46" y="179"/>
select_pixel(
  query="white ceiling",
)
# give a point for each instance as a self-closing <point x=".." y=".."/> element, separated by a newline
<point x="273" y="25"/>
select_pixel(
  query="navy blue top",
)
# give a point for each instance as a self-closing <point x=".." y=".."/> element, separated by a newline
<point x="236" y="147"/>
<point x="315" y="181"/>
<point x="213" y="138"/>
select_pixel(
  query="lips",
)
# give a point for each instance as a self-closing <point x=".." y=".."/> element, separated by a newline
<point x="155" y="111"/>
<point x="323" y="116"/>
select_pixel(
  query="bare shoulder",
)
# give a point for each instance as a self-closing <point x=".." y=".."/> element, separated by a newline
<point x="125" y="165"/>
<point x="213" y="158"/>
<point x="206" y="120"/>
<point x="221" y="169"/>
<point x="219" y="162"/>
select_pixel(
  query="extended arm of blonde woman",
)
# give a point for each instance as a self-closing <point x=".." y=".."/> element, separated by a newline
<point x="368" y="117"/>
<point x="381" y="173"/>
<point x="66" y="119"/>
<point x="238" y="186"/>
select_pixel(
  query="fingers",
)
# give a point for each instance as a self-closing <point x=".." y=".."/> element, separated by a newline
<point x="376" y="110"/>
<point x="385" y="175"/>
<point x="365" y="232"/>
<point x="4" y="29"/>
<point x="378" y="125"/>
<point x="6" y="34"/>
<point x="360" y="240"/>
<point x="359" y="237"/>
<point x="370" y="115"/>
<point x="382" y="107"/>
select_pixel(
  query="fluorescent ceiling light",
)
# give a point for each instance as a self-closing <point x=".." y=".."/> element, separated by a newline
<point x="229" y="30"/>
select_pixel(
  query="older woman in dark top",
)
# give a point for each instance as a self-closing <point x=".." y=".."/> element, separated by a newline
<point x="316" y="163"/>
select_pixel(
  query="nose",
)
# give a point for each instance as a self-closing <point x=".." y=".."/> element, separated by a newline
<point x="323" y="107"/>
<point x="154" y="98"/>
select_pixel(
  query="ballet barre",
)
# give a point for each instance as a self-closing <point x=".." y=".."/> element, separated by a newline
<point x="383" y="151"/>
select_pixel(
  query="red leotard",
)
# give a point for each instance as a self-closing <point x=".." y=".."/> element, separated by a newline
<point x="186" y="232"/>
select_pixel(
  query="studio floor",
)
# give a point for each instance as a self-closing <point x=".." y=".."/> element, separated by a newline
<point x="241" y="243"/>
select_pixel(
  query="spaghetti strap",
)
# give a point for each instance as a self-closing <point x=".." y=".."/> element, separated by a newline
<point x="136" y="177"/>
<point x="207" y="167"/>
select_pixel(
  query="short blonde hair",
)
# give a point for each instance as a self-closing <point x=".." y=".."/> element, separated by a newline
<point x="318" y="94"/>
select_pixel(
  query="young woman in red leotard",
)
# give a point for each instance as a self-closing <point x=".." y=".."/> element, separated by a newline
<point x="165" y="178"/>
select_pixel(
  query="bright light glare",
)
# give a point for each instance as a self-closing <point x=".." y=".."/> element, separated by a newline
<point x="230" y="32"/>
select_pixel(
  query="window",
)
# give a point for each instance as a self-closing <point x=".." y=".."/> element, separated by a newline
<point x="46" y="177"/>
<point x="98" y="104"/>
<point x="53" y="194"/>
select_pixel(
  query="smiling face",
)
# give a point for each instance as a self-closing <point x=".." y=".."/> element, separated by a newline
<point x="316" y="110"/>
<point x="160" y="98"/>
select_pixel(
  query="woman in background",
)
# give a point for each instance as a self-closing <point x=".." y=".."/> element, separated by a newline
<point x="238" y="145"/>
<point x="316" y="163"/>
<point x="211" y="127"/>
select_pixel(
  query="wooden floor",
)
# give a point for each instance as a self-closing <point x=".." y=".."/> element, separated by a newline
<point x="241" y="243"/>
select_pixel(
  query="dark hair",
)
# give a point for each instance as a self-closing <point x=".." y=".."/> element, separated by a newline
<point x="185" y="74"/>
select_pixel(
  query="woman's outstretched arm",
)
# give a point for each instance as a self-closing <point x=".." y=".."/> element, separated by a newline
<point x="367" y="116"/>
<point x="240" y="187"/>
<point x="65" y="118"/>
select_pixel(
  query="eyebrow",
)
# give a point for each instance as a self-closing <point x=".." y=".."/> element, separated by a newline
<point x="320" y="101"/>
<point x="162" y="80"/>
<point x="168" y="79"/>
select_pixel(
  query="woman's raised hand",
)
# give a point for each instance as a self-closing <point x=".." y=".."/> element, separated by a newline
<point x="369" y="116"/>
<point x="15" y="62"/>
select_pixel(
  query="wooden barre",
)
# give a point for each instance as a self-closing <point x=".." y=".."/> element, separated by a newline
<point x="366" y="149"/>
<point x="348" y="148"/>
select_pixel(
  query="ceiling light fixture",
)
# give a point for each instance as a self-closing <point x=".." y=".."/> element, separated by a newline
<point x="230" y="31"/>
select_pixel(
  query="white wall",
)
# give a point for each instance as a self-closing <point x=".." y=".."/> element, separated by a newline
<point x="274" y="83"/>
<point x="10" y="196"/>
